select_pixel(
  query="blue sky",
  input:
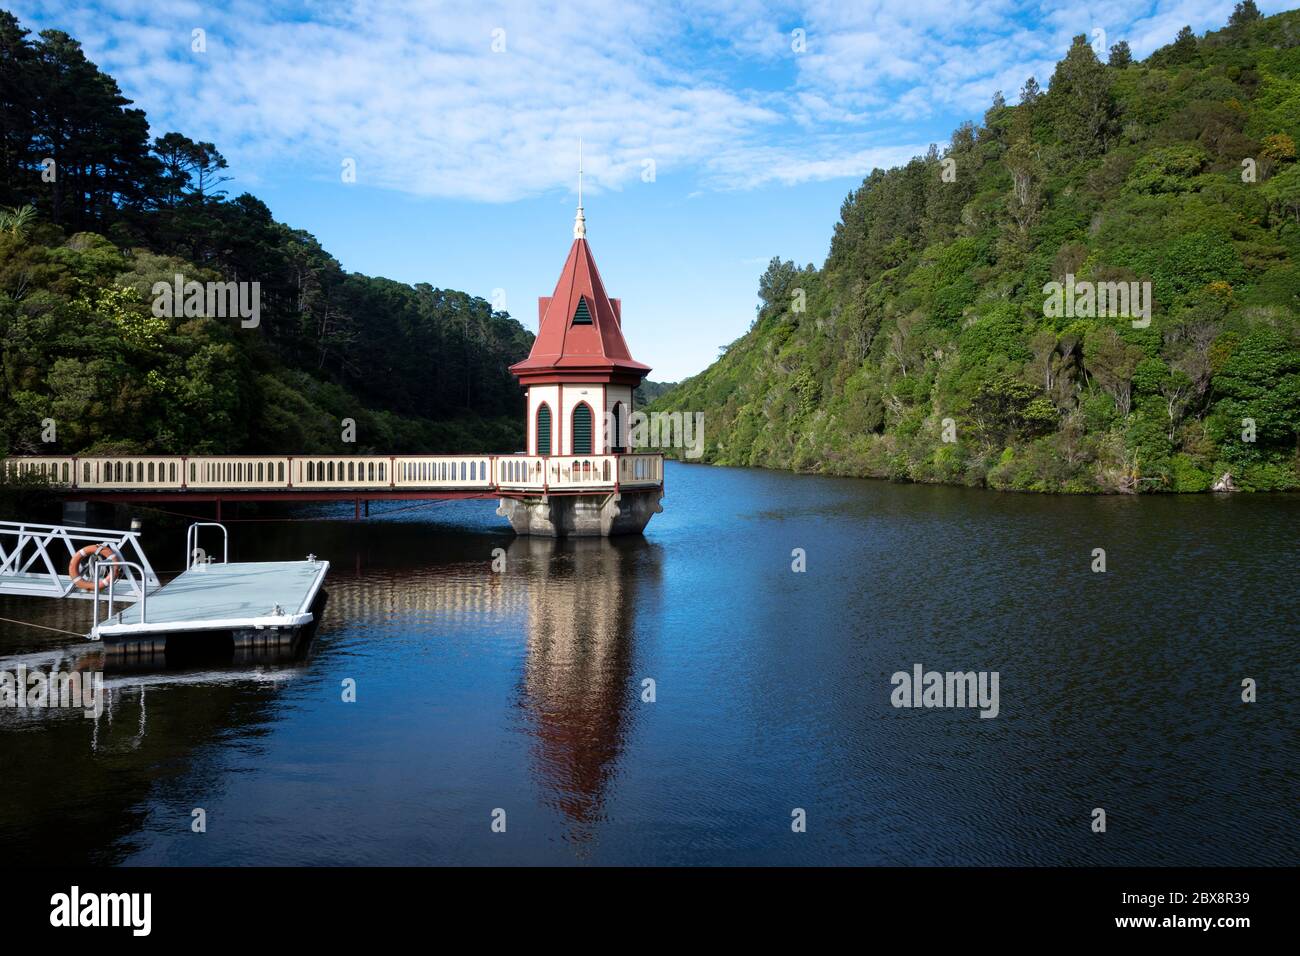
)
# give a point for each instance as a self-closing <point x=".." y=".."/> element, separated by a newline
<point x="466" y="155"/>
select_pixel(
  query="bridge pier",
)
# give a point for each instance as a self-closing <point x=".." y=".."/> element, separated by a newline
<point x="582" y="516"/>
<point x="87" y="514"/>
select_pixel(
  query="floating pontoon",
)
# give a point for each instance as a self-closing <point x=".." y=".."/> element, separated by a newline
<point x="256" y="604"/>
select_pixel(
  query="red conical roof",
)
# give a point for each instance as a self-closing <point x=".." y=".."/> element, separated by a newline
<point x="586" y="351"/>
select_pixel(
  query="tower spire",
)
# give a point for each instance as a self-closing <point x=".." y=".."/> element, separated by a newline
<point x="580" y="221"/>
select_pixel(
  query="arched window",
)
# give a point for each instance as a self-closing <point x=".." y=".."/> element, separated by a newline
<point x="582" y="429"/>
<point x="619" y="424"/>
<point x="543" y="429"/>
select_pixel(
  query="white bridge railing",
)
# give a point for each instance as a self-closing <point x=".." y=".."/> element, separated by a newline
<point x="388" y="473"/>
<point x="36" y="560"/>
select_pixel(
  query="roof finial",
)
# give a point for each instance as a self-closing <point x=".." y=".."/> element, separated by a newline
<point x="580" y="221"/>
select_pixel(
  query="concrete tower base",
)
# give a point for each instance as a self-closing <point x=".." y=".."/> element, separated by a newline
<point x="582" y="516"/>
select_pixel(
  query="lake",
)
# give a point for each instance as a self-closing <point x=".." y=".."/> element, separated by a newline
<point x="524" y="690"/>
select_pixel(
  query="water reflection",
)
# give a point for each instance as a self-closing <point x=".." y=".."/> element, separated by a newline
<point x="578" y="686"/>
<point x="522" y="690"/>
<point x="76" y="776"/>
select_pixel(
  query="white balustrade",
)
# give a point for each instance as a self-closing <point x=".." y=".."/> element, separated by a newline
<point x="238" y="472"/>
<point x="444" y="471"/>
<point x="487" y="473"/>
<point x="56" y="471"/>
<point x="646" y="470"/>
<point x="521" y="472"/>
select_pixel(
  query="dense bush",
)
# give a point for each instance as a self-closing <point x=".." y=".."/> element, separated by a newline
<point x="1180" y="171"/>
<point x="416" y="368"/>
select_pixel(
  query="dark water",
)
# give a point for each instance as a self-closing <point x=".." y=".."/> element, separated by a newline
<point x="523" y="691"/>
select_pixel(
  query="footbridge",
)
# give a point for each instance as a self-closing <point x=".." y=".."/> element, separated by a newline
<point x="540" y="494"/>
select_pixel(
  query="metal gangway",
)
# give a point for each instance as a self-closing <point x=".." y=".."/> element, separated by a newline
<point x="36" y="560"/>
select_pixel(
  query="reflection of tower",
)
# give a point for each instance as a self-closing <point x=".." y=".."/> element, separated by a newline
<point x="578" y="683"/>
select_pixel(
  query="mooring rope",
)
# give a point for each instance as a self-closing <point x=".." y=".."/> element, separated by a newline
<point x="58" y="630"/>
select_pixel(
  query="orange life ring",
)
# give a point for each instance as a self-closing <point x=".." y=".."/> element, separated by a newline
<point x="79" y="581"/>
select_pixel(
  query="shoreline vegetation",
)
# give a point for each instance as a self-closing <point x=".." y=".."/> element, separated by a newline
<point x="935" y="344"/>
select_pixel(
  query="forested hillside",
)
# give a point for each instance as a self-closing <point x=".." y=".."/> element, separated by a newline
<point x="83" y="240"/>
<point x="925" y="349"/>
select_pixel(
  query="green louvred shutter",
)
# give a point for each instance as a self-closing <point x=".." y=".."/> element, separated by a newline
<point x="544" y="430"/>
<point x="582" y="430"/>
<point x="580" y="315"/>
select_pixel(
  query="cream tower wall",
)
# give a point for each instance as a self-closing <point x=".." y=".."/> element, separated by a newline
<point x="572" y="396"/>
<point x="563" y="399"/>
<point x="550" y="394"/>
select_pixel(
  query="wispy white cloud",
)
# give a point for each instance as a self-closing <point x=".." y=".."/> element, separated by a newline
<point x="415" y="93"/>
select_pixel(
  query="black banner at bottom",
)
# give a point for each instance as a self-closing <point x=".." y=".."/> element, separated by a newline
<point x="335" y="905"/>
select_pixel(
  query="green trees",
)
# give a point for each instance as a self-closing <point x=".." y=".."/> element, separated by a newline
<point x="1183" y="49"/>
<point x="1082" y="103"/>
<point x="18" y="220"/>
<point x="79" y="343"/>
<point x="928" y="355"/>
<point x="1170" y="169"/>
<point x="189" y="169"/>
<point x="1007" y="408"/>
<point x="16" y="130"/>
<point x="1025" y="200"/>
<point x="776" y="286"/>
<point x="1283" y="195"/>
<point x="91" y="149"/>
<point x="1257" y="418"/>
<point x="78" y="340"/>
<point x="1244" y="13"/>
